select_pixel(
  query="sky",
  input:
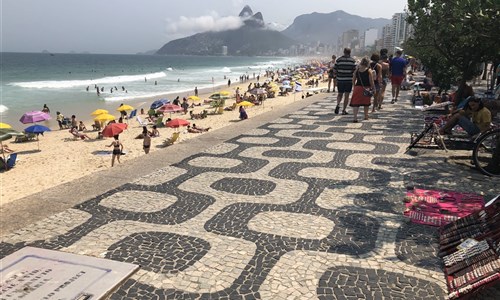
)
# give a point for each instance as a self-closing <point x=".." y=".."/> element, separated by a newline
<point x="133" y="26"/>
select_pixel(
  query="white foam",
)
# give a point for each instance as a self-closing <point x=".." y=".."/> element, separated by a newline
<point x="226" y="70"/>
<point x="75" y="83"/>
<point x="3" y="108"/>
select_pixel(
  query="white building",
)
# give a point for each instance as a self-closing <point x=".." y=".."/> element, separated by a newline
<point x="370" y="37"/>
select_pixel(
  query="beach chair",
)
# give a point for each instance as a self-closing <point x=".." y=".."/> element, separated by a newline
<point x="11" y="161"/>
<point x="172" y="139"/>
<point x="132" y="114"/>
<point x="25" y="137"/>
<point x="159" y="122"/>
<point x="141" y="121"/>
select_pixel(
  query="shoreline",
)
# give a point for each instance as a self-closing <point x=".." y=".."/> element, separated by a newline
<point x="62" y="159"/>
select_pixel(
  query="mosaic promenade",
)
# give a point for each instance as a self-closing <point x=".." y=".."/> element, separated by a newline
<point x="305" y="206"/>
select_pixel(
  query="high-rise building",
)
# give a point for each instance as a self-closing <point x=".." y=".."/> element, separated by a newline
<point x="400" y="30"/>
<point x="370" y="37"/>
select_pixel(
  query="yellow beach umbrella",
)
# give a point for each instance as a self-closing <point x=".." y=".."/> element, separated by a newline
<point x="104" y="118"/>
<point x="125" y="107"/>
<point x="224" y="93"/>
<point x="5" y="126"/>
<point x="99" y="112"/>
<point x="194" y="98"/>
<point x="245" y="103"/>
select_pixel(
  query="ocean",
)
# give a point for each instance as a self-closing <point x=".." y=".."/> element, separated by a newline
<point x="30" y="80"/>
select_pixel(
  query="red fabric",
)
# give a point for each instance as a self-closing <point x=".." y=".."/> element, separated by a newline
<point x="396" y="80"/>
<point x="440" y="207"/>
<point x="358" y="99"/>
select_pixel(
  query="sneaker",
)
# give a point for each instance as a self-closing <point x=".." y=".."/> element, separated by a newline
<point x="337" y="110"/>
<point x="396" y="100"/>
<point x="355" y="121"/>
<point x="392" y="101"/>
<point x="327" y="91"/>
<point x="344" y="112"/>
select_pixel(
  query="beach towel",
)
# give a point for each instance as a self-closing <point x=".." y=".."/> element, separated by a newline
<point x="440" y="207"/>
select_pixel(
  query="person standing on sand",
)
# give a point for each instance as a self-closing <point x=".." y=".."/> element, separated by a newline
<point x="117" y="150"/>
<point x="59" y="118"/>
<point x="196" y="91"/>
<point x="229" y="83"/>
<point x="146" y="143"/>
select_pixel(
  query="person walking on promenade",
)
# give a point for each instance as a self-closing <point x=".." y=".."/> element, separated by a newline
<point x="363" y="82"/>
<point x="331" y="74"/>
<point x="377" y="79"/>
<point x="344" y="68"/>
<point x="398" y="72"/>
<point x="384" y="62"/>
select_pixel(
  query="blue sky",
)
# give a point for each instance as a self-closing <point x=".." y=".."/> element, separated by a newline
<point x="131" y="26"/>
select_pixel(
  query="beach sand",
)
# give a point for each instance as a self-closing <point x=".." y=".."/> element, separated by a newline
<point x="63" y="159"/>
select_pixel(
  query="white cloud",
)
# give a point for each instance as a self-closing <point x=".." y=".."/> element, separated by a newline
<point x="190" y="25"/>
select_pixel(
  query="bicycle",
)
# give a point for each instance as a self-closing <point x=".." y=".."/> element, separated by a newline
<point x="486" y="152"/>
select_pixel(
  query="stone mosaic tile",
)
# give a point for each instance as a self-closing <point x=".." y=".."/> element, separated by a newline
<point x="306" y="206"/>
<point x="139" y="201"/>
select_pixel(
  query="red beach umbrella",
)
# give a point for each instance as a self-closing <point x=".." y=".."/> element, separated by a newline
<point x="170" y="108"/>
<point x="176" y="123"/>
<point x="113" y="129"/>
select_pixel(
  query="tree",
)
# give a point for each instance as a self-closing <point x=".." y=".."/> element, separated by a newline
<point x="452" y="37"/>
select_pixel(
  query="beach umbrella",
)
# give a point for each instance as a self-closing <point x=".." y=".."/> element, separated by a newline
<point x="99" y="112"/>
<point x="224" y="93"/>
<point x="159" y="103"/>
<point x="104" y="118"/>
<point x="245" y="103"/>
<point x="5" y="126"/>
<point x="37" y="129"/>
<point x="218" y="96"/>
<point x="170" y="108"/>
<point x="176" y="123"/>
<point x="34" y="116"/>
<point x="113" y="129"/>
<point x="257" y="91"/>
<point x="194" y="98"/>
<point x="125" y="107"/>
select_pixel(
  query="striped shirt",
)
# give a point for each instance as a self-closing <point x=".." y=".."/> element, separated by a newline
<point x="344" y="67"/>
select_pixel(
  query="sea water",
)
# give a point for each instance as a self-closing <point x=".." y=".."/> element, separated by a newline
<point x="30" y="80"/>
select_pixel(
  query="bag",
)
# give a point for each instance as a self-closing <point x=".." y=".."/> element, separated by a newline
<point x="366" y="92"/>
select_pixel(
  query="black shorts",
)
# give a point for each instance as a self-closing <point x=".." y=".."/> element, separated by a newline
<point x="344" y="86"/>
<point x="117" y="152"/>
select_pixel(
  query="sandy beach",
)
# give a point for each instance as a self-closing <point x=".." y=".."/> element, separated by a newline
<point x="63" y="159"/>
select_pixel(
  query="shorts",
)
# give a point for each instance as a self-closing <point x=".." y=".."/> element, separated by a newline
<point x="117" y="152"/>
<point x="397" y="80"/>
<point x="146" y="146"/>
<point x="344" y="86"/>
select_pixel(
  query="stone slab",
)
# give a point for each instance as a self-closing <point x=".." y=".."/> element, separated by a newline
<point x="34" y="273"/>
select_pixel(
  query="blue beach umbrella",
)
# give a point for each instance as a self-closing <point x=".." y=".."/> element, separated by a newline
<point x="159" y="103"/>
<point x="37" y="129"/>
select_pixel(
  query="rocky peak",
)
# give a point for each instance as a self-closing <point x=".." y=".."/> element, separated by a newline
<point x="246" y="12"/>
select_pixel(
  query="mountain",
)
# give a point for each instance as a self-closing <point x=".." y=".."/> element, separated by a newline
<point x="252" y="38"/>
<point x="328" y="27"/>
